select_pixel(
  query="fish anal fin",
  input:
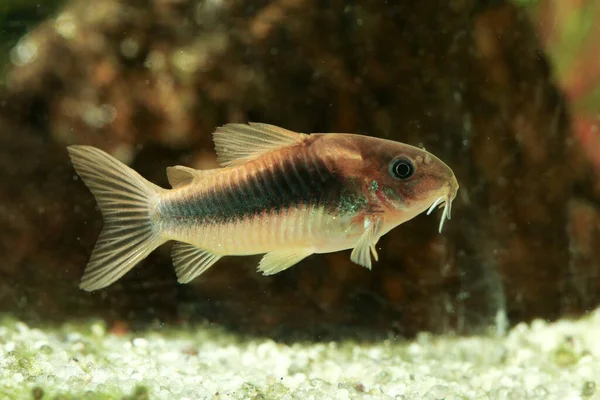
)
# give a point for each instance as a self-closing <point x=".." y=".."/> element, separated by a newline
<point x="361" y="254"/>
<point x="277" y="261"/>
<point x="191" y="261"/>
<point x="237" y="143"/>
<point x="180" y="176"/>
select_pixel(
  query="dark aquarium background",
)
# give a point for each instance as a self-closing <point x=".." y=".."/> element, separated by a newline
<point x="506" y="93"/>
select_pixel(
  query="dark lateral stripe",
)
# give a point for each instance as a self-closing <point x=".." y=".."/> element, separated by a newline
<point x="289" y="183"/>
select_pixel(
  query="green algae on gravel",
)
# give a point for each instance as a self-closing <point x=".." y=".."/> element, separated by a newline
<point x="85" y="361"/>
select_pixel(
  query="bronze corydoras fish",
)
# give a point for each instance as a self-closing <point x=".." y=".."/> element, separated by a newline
<point x="279" y="192"/>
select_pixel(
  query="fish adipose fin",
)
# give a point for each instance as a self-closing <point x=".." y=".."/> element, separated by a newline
<point x="125" y="199"/>
<point x="238" y="143"/>
<point x="180" y="176"/>
<point x="191" y="261"/>
<point x="367" y="241"/>
<point x="277" y="261"/>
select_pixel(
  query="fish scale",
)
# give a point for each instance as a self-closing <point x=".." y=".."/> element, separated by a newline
<point x="280" y="193"/>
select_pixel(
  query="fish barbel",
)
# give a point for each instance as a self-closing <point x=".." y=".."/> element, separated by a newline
<point x="279" y="192"/>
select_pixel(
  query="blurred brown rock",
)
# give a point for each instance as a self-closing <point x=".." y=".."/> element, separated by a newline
<point x="148" y="81"/>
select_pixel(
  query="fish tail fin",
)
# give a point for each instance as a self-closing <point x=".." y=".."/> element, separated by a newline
<point x="126" y="201"/>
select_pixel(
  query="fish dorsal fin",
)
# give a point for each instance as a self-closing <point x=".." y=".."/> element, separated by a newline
<point x="238" y="143"/>
<point x="180" y="176"/>
<point x="191" y="261"/>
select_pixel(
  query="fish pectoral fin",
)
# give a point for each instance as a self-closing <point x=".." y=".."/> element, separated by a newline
<point x="180" y="176"/>
<point x="191" y="261"/>
<point x="361" y="254"/>
<point x="277" y="261"/>
<point x="238" y="143"/>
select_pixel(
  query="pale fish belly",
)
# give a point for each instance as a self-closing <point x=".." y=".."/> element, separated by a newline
<point x="303" y="227"/>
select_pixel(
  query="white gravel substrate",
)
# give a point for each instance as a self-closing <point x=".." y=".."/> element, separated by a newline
<point x="537" y="361"/>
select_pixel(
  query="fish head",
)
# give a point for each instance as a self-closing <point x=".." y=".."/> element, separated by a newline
<point x="413" y="180"/>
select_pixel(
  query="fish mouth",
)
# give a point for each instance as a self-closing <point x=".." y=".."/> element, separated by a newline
<point x="446" y="202"/>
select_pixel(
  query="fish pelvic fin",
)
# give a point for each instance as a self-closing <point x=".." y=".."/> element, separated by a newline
<point x="191" y="261"/>
<point x="361" y="254"/>
<point x="126" y="201"/>
<point x="238" y="143"/>
<point x="277" y="261"/>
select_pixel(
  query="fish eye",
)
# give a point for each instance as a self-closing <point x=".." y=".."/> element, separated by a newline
<point x="402" y="168"/>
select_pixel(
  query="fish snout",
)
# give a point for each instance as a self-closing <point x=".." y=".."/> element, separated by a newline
<point x="452" y="189"/>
